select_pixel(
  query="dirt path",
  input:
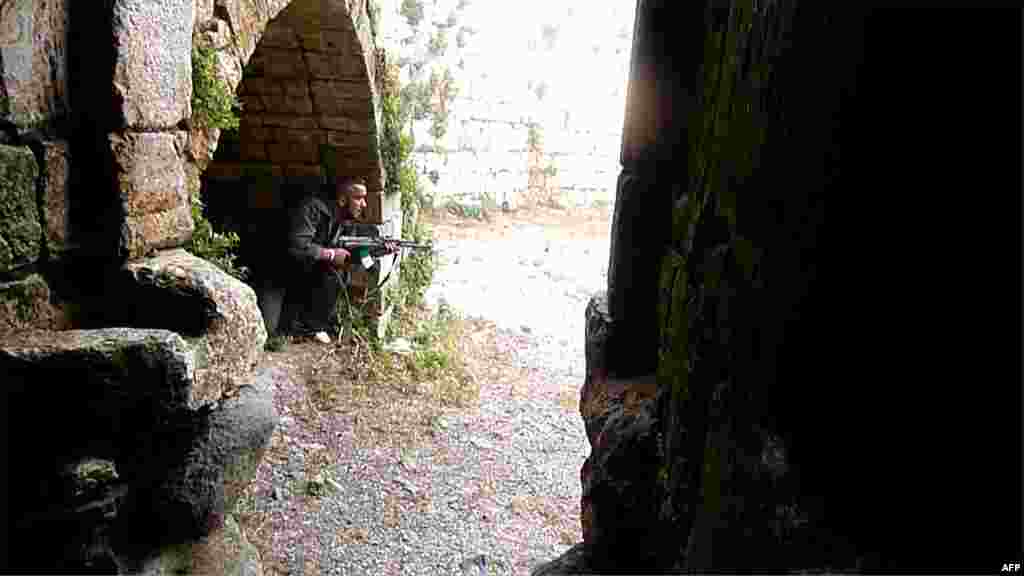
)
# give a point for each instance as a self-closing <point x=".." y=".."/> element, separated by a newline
<point x="390" y="480"/>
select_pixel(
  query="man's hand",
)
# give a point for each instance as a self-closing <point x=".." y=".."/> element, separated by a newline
<point x="340" y="257"/>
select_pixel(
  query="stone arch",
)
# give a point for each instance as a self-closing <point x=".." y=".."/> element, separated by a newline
<point x="310" y="96"/>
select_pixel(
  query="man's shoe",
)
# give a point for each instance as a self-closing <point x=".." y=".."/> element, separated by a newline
<point x="322" y="337"/>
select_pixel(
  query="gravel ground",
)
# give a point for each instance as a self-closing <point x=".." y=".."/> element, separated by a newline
<point x="494" y="488"/>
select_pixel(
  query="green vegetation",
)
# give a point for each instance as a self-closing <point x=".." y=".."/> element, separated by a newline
<point x="413" y="11"/>
<point x="208" y="244"/>
<point x="533" y="136"/>
<point x="438" y="43"/>
<point x="214" y="104"/>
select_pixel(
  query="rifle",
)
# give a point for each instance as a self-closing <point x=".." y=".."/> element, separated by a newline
<point x="366" y="248"/>
<point x="375" y="244"/>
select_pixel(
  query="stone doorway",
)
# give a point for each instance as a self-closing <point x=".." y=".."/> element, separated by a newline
<point x="310" y="96"/>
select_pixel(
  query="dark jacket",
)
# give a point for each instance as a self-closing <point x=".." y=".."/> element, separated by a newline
<point x="314" y="221"/>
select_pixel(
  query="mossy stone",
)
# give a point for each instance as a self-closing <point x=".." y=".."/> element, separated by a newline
<point x="20" y="231"/>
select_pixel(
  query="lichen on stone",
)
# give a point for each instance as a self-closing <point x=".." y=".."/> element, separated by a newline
<point x="19" y="221"/>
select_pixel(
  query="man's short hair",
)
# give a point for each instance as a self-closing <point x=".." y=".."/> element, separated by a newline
<point x="349" y="181"/>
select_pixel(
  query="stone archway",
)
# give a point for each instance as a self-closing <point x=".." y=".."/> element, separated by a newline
<point x="310" y="98"/>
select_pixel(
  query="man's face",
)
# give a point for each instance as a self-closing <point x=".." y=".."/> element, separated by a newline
<point x="356" y="200"/>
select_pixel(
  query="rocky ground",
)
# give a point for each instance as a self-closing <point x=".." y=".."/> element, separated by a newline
<point x="388" y="480"/>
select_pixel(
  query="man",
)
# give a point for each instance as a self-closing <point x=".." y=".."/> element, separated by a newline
<point x="317" y="273"/>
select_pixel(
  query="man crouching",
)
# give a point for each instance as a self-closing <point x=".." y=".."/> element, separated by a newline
<point x="322" y="271"/>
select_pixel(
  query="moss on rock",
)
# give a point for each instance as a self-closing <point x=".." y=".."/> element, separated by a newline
<point x="20" y="231"/>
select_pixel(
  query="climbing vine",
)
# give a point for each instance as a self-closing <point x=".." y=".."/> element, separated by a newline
<point x="214" y="104"/>
<point x="417" y="269"/>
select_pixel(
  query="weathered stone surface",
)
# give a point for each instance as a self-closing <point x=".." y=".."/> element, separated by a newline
<point x="25" y="304"/>
<point x="201" y="144"/>
<point x="152" y="80"/>
<point x="280" y="35"/>
<point x="143" y="452"/>
<point x="572" y="561"/>
<point x="202" y="12"/>
<point x="333" y="66"/>
<point x="622" y="491"/>
<point x="330" y="41"/>
<point x="345" y="124"/>
<point x="253" y="149"/>
<point x="292" y="122"/>
<point x="20" y="233"/>
<point x="197" y="299"/>
<point x="338" y="97"/>
<point x="157" y="230"/>
<point x="34" y="67"/>
<point x="56" y="172"/>
<point x="291" y="99"/>
<point x="295" y="147"/>
<point x="196" y="496"/>
<point x="349" y="139"/>
<point x="224" y="551"/>
<point x="118" y="387"/>
<point x="281" y="63"/>
<point x="249" y="18"/>
<point x="150" y="171"/>
<point x="159" y="363"/>
<point x="302" y="170"/>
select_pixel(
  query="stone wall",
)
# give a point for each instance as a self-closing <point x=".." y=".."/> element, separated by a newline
<point x="761" y="378"/>
<point x="152" y="350"/>
<point x="310" y="109"/>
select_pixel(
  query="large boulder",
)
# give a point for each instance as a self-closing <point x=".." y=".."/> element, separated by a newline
<point x="148" y="476"/>
<point x="111" y="392"/>
<point x="195" y="498"/>
<point x="216" y="312"/>
<point x="20" y="233"/>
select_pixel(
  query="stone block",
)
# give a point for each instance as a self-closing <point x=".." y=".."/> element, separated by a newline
<point x="333" y="66"/>
<point x="279" y="35"/>
<point x="161" y="468"/>
<point x="295" y="147"/>
<point x="150" y="171"/>
<point x="56" y="172"/>
<point x="202" y="12"/>
<point x="20" y="232"/>
<point x="157" y="230"/>
<point x="348" y="139"/>
<point x="345" y="124"/>
<point x="260" y="85"/>
<point x="248" y="19"/>
<point x="152" y="79"/>
<point x="224" y="170"/>
<point x="255" y="132"/>
<point x="253" y="150"/>
<point x="302" y="170"/>
<point x="282" y="63"/>
<point x="331" y="41"/>
<point x="194" y="297"/>
<point x="251" y="103"/>
<point x="291" y="122"/>
<point x="340" y="98"/>
<point x="294" y="101"/>
<point x="34" y="68"/>
<point x="25" y="305"/>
